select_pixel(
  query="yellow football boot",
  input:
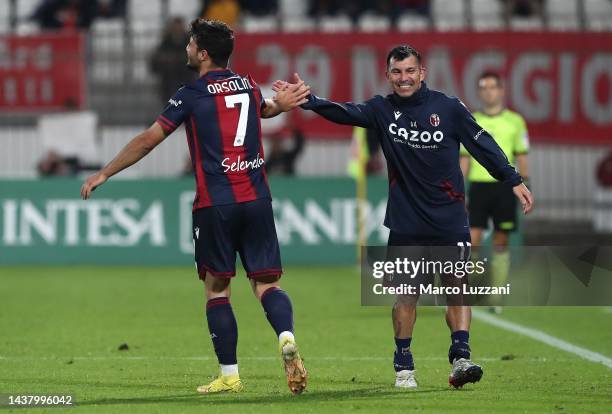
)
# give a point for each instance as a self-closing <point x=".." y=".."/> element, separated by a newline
<point x="224" y="383"/>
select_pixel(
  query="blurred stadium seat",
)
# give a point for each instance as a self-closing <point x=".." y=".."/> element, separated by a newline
<point x="335" y="24"/>
<point x="257" y="24"/>
<point x="24" y="12"/>
<point x="145" y="11"/>
<point x="144" y="38"/>
<point x="369" y="22"/>
<point x="521" y="24"/>
<point x="486" y="15"/>
<point x="562" y="15"/>
<point x="108" y="46"/>
<point x="292" y="9"/>
<point x="296" y="24"/>
<point x="5" y="24"/>
<point x="108" y="35"/>
<point x="598" y="14"/>
<point x="408" y="22"/>
<point x="448" y="14"/>
<point x="25" y="9"/>
<point x="26" y="27"/>
<point x="187" y="9"/>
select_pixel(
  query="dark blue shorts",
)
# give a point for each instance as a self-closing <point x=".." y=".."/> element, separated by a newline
<point x="451" y="247"/>
<point x="448" y="248"/>
<point x="401" y="239"/>
<point x="247" y="228"/>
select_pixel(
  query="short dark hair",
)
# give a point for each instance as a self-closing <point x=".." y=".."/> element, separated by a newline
<point x="402" y="52"/>
<point x="216" y="37"/>
<point x="489" y="74"/>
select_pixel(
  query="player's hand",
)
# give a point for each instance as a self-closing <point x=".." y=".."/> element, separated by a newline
<point x="279" y="85"/>
<point x="525" y="197"/>
<point x="91" y="183"/>
<point x="291" y="95"/>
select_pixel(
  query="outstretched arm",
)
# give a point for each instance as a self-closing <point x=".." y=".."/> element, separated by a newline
<point x="286" y="99"/>
<point x="341" y="113"/>
<point x="134" y="151"/>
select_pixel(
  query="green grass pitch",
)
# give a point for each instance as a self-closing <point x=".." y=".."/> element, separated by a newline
<point x="61" y="328"/>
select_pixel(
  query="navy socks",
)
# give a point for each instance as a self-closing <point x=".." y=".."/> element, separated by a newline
<point x="277" y="307"/>
<point x="459" y="346"/>
<point x="223" y="329"/>
<point x="402" y="358"/>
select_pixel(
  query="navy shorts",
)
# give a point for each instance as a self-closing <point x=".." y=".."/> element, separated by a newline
<point x="447" y="248"/>
<point x="247" y="228"/>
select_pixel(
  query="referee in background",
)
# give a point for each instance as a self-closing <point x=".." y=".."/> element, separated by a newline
<point x="489" y="198"/>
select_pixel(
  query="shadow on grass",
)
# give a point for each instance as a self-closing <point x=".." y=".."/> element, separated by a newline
<point x="62" y="382"/>
<point x="245" y="398"/>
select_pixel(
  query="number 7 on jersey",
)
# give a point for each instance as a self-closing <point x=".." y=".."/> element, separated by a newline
<point x="230" y="102"/>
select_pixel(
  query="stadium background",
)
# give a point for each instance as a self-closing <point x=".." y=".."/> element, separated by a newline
<point x="86" y="92"/>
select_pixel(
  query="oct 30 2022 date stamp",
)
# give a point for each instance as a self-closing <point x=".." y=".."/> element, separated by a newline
<point x="36" y="400"/>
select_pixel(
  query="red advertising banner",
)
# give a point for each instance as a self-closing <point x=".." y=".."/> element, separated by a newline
<point x="41" y="72"/>
<point x="560" y="82"/>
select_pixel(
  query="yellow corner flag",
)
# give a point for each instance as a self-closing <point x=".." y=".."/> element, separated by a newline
<point x="359" y="154"/>
<point x="357" y="169"/>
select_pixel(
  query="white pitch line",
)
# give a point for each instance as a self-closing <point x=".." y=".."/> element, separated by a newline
<point x="543" y="337"/>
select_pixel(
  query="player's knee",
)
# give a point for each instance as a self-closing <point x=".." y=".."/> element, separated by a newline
<point x="263" y="283"/>
<point x="405" y="303"/>
<point x="217" y="286"/>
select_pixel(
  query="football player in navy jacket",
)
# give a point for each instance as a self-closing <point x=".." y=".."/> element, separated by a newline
<point x="420" y="133"/>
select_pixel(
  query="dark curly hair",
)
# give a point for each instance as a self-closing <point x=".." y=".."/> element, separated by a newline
<point x="216" y="37"/>
<point x="402" y="52"/>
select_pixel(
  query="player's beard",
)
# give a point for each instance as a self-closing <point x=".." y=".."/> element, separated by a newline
<point x="192" y="66"/>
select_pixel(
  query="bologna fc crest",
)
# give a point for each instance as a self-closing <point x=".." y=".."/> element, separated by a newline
<point x="434" y="120"/>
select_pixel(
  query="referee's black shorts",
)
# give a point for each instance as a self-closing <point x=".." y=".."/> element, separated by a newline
<point x="492" y="200"/>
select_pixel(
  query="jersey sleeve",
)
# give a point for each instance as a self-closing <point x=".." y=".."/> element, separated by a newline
<point x="258" y="93"/>
<point x="175" y="112"/>
<point x="521" y="141"/>
<point x="262" y="104"/>
<point x="481" y="145"/>
<point x="347" y="113"/>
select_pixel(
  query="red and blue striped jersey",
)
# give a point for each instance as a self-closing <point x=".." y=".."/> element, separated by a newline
<point x="222" y="116"/>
